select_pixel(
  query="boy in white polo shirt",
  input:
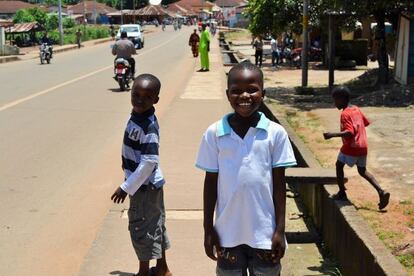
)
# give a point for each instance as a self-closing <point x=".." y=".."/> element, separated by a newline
<point x="245" y="156"/>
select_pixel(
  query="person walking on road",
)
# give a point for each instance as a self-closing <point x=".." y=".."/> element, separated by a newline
<point x="204" y="48"/>
<point x="258" y="55"/>
<point x="78" y="38"/>
<point x="194" y="43"/>
<point x="143" y="179"/>
<point x="355" y="145"/>
<point x="244" y="156"/>
<point x="112" y="31"/>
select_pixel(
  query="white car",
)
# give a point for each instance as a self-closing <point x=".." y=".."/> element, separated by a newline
<point x="134" y="32"/>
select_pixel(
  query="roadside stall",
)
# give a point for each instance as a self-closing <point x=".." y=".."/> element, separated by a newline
<point x="23" y="34"/>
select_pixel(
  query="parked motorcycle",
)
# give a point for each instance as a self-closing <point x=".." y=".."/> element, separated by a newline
<point x="45" y="53"/>
<point x="122" y="72"/>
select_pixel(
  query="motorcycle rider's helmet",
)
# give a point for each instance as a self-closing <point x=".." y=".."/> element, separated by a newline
<point x="124" y="34"/>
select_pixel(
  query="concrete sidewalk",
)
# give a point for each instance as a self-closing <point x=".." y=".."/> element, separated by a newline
<point x="201" y="103"/>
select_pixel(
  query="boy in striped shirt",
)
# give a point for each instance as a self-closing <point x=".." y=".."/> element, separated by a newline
<point x="143" y="178"/>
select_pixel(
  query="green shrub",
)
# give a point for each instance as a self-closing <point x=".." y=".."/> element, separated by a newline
<point x="52" y="22"/>
<point x="68" y="22"/>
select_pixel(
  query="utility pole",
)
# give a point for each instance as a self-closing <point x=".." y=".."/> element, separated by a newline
<point x="122" y="15"/>
<point x="305" y="43"/>
<point x="84" y="19"/>
<point x="94" y="12"/>
<point x="60" y="22"/>
<point x="133" y="7"/>
<point x="331" y="50"/>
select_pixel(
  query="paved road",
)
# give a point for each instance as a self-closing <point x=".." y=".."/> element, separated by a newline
<point x="61" y="127"/>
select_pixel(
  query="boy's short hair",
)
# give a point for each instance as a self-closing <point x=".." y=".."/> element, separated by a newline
<point x="341" y="92"/>
<point x="241" y="67"/>
<point x="153" y="80"/>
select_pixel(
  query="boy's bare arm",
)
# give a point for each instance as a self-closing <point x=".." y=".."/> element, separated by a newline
<point x="279" y="201"/>
<point x="211" y="238"/>
<point x="343" y="134"/>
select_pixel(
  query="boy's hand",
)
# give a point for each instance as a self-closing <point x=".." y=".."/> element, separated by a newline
<point x="119" y="195"/>
<point x="278" y="245"/>
<point x="327" y="135"/>
<point x="211" y="241"/>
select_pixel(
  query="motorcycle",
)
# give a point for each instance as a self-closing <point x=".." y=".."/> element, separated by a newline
<point x="122" y="72"/>
<point x="45" y="53"/>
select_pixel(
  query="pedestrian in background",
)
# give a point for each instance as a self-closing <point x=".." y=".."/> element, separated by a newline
<point x="78" y="38"/>
<point x="112" y="30"/>
<point x="258" y="55"/>
<point x="143" y="179"/>
<point x="275" y="52"/>
<point x="194" y="43"/>
<point x="244" y="156"/>
<point x="204" y="48"/>
<point x="355" y="145"/>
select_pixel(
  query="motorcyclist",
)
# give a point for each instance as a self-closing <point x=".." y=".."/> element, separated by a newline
<point x="46" y="40"/>
<point x="124" y="48"/>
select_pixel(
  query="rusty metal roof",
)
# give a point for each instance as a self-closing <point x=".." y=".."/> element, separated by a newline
<point x="89" y="7"/>
<point x="11" y="7"/>
<point x="186" y="11"/>
<point x="22" y="27"/>
<point x="152" y="10"/>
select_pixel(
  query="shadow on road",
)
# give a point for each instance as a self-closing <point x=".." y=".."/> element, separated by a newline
<point x="117" y="90"/>
<point x="121" y="273"/>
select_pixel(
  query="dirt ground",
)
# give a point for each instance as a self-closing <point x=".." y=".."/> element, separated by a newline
<point x="390" y="159"/>
<point x="390" y="136"/>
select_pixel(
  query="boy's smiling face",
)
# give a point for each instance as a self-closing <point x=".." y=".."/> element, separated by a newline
<point x="245" y="92"/>
<point x="144" y="95"/>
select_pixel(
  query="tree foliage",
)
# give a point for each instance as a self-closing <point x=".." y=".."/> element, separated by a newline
<point x="68" y="22"/>
<point x="31" y="15"/>
<point x="52" y="22"/>
<point x="276" y="16"/>
<point x="273" y="16"/>
<point x="23" y="16"/>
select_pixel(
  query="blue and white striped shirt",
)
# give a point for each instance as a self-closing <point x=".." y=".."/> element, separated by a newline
<point x="141" y="146"/>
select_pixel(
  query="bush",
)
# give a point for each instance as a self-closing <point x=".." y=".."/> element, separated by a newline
<point x="52" y="22"/>
<point x="23" y="16"/>
<point x="31" y="15"/>
<point x="68" y="23"/>
<point x="89" y="33"/>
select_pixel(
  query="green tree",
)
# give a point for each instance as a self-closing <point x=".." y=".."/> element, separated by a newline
<point x="31" y="15"/>
<point x="52" y="22"/>
<point x="39" y="15"/>
<point x="274" y="16"/>
<point x="68" y="22"/>
<point x="23" y="16"/>
<point x="382" y="10"/>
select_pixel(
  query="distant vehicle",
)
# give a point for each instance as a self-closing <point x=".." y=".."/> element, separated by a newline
<point x="211" y="21"/>
<point x="135" y="34"/>
<point x="122" y="72"/>
<point x="45" y="53"/>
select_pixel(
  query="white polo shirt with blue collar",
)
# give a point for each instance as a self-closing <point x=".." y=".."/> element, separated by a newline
<point x="245" y="212"/>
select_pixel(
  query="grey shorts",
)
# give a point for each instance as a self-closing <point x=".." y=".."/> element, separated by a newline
<point x="236" y="261"/>
<point x="147" y="223"/>
<point x="360" y="161"/>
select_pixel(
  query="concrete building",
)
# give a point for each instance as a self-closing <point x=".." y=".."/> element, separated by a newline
<point x="9" y="8"/>
<point x="404" y="58"/>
